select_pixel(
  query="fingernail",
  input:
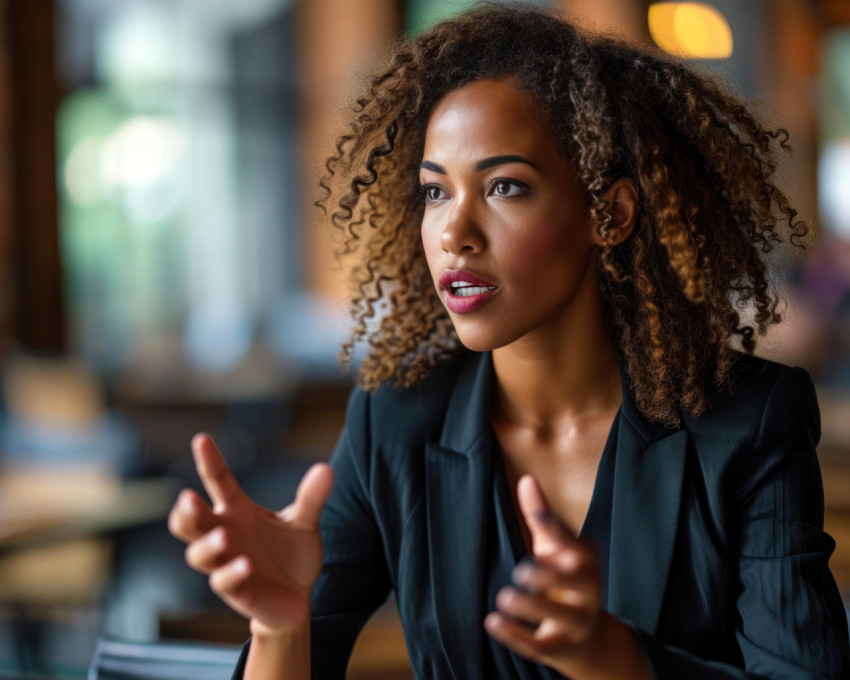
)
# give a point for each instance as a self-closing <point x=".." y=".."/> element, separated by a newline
<point x="217" y="537"/>
<point x="522" y="575"/>
<point x="522" y="572"/>
<point x="187" y="502"/>
<point x="505" y="597"/>
<point x="492" y="620"/>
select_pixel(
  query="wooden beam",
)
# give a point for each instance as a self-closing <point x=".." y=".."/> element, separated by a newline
<point x="6" y="235"/>
<point x="338" y="40"/>
<point x="32" y="211"/>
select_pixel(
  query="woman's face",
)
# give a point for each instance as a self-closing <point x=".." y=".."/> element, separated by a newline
<point x="506" y="230"/>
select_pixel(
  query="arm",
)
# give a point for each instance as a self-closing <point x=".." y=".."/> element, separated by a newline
<point x="261" y="563"/>
<point x="791" y="618"/>
<point x="354" y="580"/>
<point x="269" y="655"/>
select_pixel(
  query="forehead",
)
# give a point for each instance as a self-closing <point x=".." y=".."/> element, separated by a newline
<point x="487" y="116"/>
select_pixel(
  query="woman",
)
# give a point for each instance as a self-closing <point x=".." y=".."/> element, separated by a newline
<point x="555" y="458"/>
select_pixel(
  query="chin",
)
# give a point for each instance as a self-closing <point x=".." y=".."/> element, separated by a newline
<point x="476" y="346"/>
<point x="482" y="340"/>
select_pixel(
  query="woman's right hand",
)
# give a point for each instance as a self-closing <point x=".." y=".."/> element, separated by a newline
<point x="261" y="563"/>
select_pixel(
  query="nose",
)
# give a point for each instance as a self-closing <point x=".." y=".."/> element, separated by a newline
<point x="462" y="233"/>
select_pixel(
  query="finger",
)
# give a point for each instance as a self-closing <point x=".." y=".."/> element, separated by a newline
<point x="547" y="640"/>
<point x="312" y="494"/>
<point x="577" y="555"/>
<point x="534" y="608"/>
<point x="579" y="586"/>
<point x="211" y="551"/>
<point x="513" y="634"/>
<point x="231" y="583"/>
<point x="217" y="478"/>
<point x="247" y="592"/>
<point x="190" y="518"/>
<point x="547" y="533"/>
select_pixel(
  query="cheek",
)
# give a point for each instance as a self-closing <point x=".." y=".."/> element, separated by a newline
<point x="553" y="238"/>
<point x="430" y="244"/>
<point x="538" y="246"/>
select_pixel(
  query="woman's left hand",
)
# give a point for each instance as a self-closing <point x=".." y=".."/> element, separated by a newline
<point x="554" y="615"/>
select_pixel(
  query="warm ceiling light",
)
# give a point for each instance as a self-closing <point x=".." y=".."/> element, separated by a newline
<point x="690" y="29"/>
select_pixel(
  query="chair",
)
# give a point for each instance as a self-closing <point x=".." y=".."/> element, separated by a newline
<point x="120" y="660"/>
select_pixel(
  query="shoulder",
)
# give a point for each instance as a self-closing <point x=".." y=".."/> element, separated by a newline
<point x="765" y="401"/>
<point x="759" y="378"/>
<point x="759" y="391"/>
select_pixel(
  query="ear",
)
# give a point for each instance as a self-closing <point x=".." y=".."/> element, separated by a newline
<point x="622" y="204"/>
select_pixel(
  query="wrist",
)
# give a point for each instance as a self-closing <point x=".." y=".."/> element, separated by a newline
<point x="284" y="623"/>
<point x="291" y="628"/>
<point x="614" y="652"/>
<point x="275" y="654"/>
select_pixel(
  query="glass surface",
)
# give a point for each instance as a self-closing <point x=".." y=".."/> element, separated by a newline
<point x="180" y="190"/>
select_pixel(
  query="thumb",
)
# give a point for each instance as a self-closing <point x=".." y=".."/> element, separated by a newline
<point x="312" y="494"/>
<point x="547" y="533"/>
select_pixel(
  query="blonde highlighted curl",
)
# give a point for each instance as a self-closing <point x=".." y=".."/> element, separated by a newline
<point x="704" y="167"/>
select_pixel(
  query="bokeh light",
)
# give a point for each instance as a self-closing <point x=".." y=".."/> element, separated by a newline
<point x="692" y="30"/>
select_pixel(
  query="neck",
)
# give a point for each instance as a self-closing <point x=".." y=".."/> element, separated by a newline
<point x="562" y="373"/>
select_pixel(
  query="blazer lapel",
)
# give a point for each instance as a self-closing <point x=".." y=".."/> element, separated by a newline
<point x="647" y="494"/>
<point x="649" y="473"/>
<point x="458" y="496"/>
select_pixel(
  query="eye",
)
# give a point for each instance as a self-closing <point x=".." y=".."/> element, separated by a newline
<point x="508" y="188"/>
<point x="432" y="193"/>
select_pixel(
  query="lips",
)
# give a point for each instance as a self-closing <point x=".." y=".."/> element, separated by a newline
<point x="465" y="292"/>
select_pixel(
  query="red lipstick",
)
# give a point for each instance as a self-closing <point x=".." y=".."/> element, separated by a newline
<point x="465" y="292"/>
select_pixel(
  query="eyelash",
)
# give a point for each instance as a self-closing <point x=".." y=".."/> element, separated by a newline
<point x="513" y="182"/>
<point x="425" y="188"/>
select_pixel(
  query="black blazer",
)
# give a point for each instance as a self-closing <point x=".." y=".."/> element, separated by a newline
<point x="718" y="558"/>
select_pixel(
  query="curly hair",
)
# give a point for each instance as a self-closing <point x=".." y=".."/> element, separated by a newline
<point x="674" y="292"/>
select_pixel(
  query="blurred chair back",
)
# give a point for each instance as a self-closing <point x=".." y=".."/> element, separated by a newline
<point x="119" y="660"/>
<point x="54" y="415"/>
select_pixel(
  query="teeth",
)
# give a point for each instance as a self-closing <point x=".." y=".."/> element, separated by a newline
<point x="469" y="290"/>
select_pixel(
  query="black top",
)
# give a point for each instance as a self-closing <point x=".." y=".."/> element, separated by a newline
<point x="718" y="560"/>
<point x="505" y="549"/>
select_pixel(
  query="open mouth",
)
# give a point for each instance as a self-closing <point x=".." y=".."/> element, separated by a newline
<point x="466" y="289"/>
<point x="465" y="292"/>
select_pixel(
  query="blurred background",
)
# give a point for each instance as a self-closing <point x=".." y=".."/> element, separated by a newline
<point x="161" y="272"/>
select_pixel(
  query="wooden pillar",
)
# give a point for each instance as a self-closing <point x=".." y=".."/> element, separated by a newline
<point x="36" y="274"/>
<point x="790" y="76"/>
<point x="6" y="285"/>
<point x="623" y="17"/>
<point x="337" y="39"/>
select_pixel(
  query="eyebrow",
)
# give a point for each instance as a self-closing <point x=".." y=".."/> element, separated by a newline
<point x="483" y="164"/>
